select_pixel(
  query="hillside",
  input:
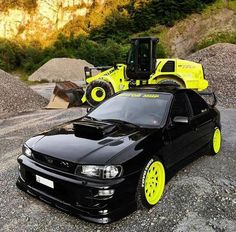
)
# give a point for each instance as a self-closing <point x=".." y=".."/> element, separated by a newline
<point x="217" y="20"/>
<point x="43" y="20"/>
<point x="39" y="19"/>
<point x="98" y="31"/>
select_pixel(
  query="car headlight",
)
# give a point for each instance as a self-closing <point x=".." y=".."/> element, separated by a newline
<point x="26" y="151"/>
<point x="102" y="172"/>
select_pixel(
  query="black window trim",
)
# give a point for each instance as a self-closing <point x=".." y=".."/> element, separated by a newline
<point x="169" y="121"/>
<point x="190" y="105"/>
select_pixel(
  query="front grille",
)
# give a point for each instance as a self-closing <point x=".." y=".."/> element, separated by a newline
<point x="55" y="163"/>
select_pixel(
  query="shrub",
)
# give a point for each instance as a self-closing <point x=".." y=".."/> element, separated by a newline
<point x="10" y="55"/>
<point x="228" y="37"/>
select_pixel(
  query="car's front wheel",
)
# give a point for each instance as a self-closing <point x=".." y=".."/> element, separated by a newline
<point x="151" y="184"/>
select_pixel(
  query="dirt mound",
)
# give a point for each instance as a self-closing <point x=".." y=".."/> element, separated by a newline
<point x="61" y="69"/>
<point x="219" y="62"/>
<point x="16" y="97"/>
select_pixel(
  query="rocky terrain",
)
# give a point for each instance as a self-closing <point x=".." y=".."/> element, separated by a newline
<point x="182" y="37"/>
<point x="39" y="23"/>
<point x="219" y="62"/>
<point x="16" y="97"/>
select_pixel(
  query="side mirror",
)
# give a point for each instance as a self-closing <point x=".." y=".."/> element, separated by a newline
<point x="89" y="109"/>
<point x="181" y="119"/>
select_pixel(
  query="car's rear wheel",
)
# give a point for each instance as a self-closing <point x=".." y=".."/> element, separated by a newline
<point x="151" y="184"/>
<point x="215" y="143"/>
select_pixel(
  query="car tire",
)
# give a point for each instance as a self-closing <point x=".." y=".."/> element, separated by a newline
<point x="151" y="184"/>
<point x="97" y="91"/>
<point x="215" y="143"/>
<point x="172" y="82"/>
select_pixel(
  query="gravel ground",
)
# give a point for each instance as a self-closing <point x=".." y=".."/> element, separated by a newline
<point x="61" y="69"/>
<point x="219" y="62"/>
<point x="16" y="97"/>
<point x="200" y="197"/>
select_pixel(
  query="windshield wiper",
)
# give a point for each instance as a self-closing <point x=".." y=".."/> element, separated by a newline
<point x="120" y="122"/>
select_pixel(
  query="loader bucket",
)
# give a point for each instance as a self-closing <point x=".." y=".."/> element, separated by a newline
<point x="66" y="94"/>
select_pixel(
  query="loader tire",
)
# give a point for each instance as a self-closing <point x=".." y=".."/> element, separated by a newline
<point x="172" y="82"/>
<point x="97" y="91"/>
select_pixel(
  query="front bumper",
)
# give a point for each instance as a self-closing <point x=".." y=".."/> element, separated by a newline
<point x="79" y="196"/>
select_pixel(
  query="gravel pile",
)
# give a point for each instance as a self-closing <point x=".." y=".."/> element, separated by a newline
<point x="61" y="69"/>
<point x="219" y="62"/>
<point x="15" y="97"/>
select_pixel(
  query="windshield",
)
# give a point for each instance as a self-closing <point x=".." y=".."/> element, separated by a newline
<point x="143" y="109"/>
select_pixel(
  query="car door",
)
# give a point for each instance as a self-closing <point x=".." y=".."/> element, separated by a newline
<point x="201" y="120"/>
<point x="179" y="137"/>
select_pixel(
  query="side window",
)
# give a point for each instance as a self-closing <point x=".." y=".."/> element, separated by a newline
<point x="169" y="66"/>
<point x="198" y="104"/>
<point x="180" y="106"/>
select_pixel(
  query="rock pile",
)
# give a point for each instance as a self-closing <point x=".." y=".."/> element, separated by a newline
<point x="219" y="62"/>
<point x="16" y="97"/>
<point x="61" y="69"/>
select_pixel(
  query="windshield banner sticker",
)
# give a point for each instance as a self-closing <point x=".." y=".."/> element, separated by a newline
<point x="146" y="95"/>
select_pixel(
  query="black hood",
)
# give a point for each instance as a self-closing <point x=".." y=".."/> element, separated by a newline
<point x="87" y="141"/>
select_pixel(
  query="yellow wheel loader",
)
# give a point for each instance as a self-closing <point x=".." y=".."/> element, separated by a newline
<point x="142" y="68"/>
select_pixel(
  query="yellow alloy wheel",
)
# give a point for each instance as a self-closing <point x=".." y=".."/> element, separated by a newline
<point x="98" y="94"/>
<point x="217" y="140"/>
<point x="154" y="182"/>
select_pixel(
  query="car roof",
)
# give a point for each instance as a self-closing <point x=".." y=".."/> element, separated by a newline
<point x="172" y="89"/>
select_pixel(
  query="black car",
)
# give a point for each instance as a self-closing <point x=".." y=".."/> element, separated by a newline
<point x="104" y="165"/>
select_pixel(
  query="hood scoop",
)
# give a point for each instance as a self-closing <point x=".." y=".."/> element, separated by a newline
<point x="92" y="129"/>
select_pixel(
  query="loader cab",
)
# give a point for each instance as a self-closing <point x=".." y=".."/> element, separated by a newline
<point x="141" y="59"/>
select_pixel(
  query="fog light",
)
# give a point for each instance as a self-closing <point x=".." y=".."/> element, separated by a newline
<point x="105" y="211"/>
<point x="107" y="192"/>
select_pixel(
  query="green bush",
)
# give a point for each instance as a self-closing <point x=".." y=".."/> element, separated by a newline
<point x="216" y="38"/>
<point x="31" y="57"/>
<point x="117" y="26"/>
<point x="10" y="55"/>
